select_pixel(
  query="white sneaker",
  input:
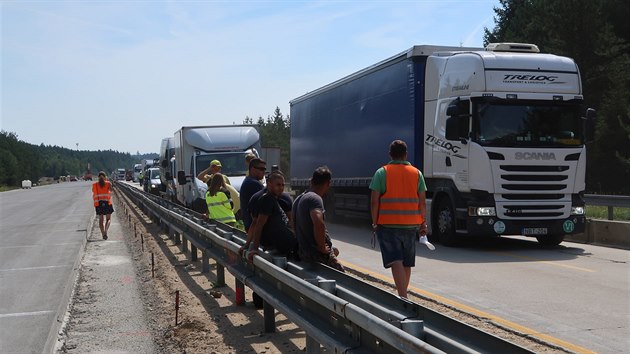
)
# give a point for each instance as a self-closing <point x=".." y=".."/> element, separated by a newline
<point x="425" y="241"/>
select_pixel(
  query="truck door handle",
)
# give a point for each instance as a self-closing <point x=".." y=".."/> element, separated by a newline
<point x="448" y="161"/>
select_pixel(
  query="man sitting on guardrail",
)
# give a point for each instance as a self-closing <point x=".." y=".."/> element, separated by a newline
<point x="271" y="229"/>
<point x="314" y="241"/>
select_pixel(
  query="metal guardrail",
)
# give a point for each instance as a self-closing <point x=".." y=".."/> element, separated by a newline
<point x="336" y="310"/>
<point x="610" y="201"/>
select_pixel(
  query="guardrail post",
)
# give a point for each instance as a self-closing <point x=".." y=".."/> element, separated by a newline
<point x="220" y="275"/>
<point x="280" y="262"/>
<point x="239" y="290"/>
<point x="610" y="213"/>
<point x="269" y="314"/>
<point x="205" y="262"/>
<point x="177" y="238"/>
<point x="312" y="347"/>
<point x="193" y="252"/>
<point x="184" y="244"/>
<point x="413" y="327"/>
<point x="330" y="286"/>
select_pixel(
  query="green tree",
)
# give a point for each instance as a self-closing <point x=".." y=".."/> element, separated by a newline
<point x="275" y="132"/>
<point x="596" y="35"/>
<point x="8" y="168"/>
<point x="20" y="160"/>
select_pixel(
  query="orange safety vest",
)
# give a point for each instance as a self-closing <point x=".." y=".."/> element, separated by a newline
<point x="102" y="193"/>
<point x="399" y="204"/>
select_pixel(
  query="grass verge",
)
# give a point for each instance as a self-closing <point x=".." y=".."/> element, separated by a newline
<point x="601" y="212"/>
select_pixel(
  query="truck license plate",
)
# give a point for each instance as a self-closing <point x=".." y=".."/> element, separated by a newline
<point x="535" y="231"/>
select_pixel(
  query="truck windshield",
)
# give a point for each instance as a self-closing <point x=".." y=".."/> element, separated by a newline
<point x="155" y="174"/>
<point x="527" y="123"/>
<point x="232" y="163"/>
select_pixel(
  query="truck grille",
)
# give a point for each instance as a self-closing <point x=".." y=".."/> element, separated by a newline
<point x="521" y="186"/>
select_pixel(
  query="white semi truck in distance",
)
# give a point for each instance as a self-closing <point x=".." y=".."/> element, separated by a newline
<point x="195" y="147"/>
<point x="499" y="135"/>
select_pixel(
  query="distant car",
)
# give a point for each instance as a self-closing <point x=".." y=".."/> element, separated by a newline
<point x="27" y="184"/>
<point x="152" y="182"/>
<point x="73" y="178"/>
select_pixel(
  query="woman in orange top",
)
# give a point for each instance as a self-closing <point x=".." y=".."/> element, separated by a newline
<point x="102" y="195"/>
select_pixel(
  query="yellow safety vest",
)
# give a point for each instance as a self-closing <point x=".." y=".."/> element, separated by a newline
<point x="219" y="207"/>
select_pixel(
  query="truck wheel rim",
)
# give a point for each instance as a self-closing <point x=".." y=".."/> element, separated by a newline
<point x="444" y="221"/>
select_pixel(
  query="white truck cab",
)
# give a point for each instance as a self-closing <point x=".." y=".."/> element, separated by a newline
<point x="196" y="147"/>
<point x="507" y="147"/>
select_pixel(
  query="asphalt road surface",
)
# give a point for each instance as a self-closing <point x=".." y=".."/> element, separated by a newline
<point x="574" y="295"/>
<point x="42" y="233"/>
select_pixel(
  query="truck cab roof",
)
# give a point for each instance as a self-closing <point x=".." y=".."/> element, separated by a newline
<point x="225" y="138"/>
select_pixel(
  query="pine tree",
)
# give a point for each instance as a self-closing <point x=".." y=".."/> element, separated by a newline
<point x="595" y="34"/>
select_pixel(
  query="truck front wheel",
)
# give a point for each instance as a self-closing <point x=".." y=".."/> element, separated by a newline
<point x="550" y="240"/>
<point x="444" y="223"/>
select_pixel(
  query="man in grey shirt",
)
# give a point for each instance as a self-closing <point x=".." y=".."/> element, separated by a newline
<point x="314" y="242"/>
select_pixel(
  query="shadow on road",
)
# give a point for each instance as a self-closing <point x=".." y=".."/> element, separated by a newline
<point x="470" y="250"/>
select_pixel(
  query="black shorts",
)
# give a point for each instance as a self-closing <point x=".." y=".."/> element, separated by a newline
<point x="104" y="208"/>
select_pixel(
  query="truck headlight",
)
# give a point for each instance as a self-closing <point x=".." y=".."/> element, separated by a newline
<point x="577" y="210"/>
<point x="482" y="211"/>
<point x="153" y="186"/>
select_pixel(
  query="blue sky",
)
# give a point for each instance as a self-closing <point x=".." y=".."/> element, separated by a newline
<point x="122" y="75"/>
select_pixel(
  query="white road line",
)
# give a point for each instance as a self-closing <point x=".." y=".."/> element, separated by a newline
<point x="22" y="314"/>
<point x="35" y="268"/>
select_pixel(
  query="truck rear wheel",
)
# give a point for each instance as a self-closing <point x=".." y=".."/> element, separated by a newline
<point x="550" y="240"/>
<point x="443" y="223"/>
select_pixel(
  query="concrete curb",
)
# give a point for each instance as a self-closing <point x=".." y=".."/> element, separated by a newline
<point x="608" y="233"/>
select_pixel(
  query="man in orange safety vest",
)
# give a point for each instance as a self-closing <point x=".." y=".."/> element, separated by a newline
<point x="398" y="209"/>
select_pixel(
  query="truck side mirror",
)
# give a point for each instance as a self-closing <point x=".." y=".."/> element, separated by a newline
<point x="451" y="127"/>
<point x="181" y="177"/>
<point x="453" y="108"/>
<point x="457" y="128"/>
<point x="589" y="125"/>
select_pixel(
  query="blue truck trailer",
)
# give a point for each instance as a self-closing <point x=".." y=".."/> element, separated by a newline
<point x="497" y="132"/>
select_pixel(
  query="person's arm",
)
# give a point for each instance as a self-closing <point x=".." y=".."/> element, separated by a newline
<point x="375" y="202"/>
<point x="203" y="173"/>
<point x="256" y="231"/>
<point x="319" y="231"/>
<point x="250" y="236"/>
<point x="258" y="223"/>
<point x="377" y="186"/>
<point x="422" y="205"/>
<point x="261" y="220"/>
